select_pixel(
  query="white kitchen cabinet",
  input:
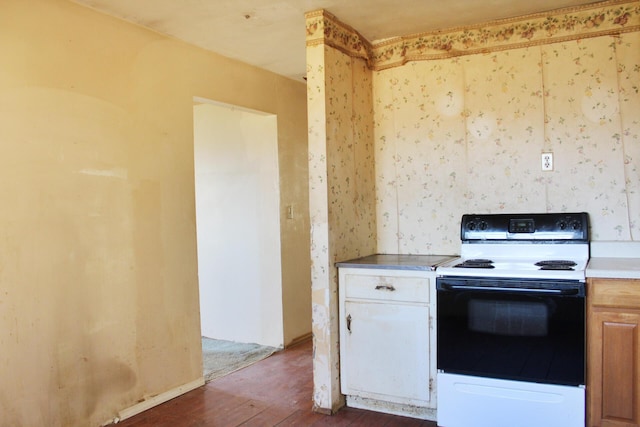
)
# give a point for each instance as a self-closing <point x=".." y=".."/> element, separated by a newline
<point x="387" y="340"/>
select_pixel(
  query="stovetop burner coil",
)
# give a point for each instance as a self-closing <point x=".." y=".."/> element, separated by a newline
<point x="476" y="263"/>
<point x="556" y="264"/>
<point x="557" y="267"/>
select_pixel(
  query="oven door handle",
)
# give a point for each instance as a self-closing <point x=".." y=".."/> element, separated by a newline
<point x="570" y="291"/>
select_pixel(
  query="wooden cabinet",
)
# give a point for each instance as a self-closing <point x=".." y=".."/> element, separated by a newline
<point x="613" y="352"/>
<point x="387" y="340"/>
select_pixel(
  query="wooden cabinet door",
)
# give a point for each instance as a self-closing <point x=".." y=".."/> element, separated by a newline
<point x="385" y="351"/>
<point x="613" y="367"/>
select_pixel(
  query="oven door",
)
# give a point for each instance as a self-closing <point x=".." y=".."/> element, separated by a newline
<point x="516" y="329"/>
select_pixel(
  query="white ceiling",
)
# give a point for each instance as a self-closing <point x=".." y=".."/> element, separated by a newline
<point x="270" y="34"/>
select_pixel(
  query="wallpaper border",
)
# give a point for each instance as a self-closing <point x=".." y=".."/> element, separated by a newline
<point x="594" y="20"/>
<point x="324" y="28"/>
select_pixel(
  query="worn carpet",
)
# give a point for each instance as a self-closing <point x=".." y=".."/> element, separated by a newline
<point x="221" y="357"/>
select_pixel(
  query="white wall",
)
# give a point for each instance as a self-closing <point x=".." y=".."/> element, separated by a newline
<point x="237" y="215"/>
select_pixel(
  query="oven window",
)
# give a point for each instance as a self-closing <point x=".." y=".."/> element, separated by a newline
<point x="507" y="317"/>
<point x="511" y="334"/>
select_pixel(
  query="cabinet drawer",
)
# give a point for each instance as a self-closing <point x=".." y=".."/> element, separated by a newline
<point x="388" y="288"/>
<point x="614" y="292"/>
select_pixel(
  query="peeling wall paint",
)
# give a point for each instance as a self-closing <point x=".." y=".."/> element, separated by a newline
<point x="342" y="196"/>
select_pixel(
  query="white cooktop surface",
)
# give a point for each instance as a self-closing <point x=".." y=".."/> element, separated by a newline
<point x="518" y="261"/>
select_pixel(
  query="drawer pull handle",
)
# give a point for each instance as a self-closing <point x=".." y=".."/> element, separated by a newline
<point x="349" y="323"/>
<point x="385" y="287"/>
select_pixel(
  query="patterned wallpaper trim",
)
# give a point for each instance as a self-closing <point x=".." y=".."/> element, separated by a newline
<point x="324" y="28"/>
<point x="599" y="19"/>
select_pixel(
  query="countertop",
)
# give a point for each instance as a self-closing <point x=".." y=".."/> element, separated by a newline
<point x="614" y="268"/>
<point x="397" y="262"/>
<point x="614" y="260"/>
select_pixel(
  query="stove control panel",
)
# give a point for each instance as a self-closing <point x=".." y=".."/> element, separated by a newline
<point x="569" y="227"/>
<point x="524" y="225"/>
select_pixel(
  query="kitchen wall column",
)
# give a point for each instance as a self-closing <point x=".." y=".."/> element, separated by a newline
<point x="341" y="191"/>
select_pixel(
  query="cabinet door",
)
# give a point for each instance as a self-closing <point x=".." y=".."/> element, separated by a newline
<point x="385" y="351"/>
<point x="613" y="368"/>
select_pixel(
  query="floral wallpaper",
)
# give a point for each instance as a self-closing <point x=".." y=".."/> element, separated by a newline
<point x="627" y="51"/>
<point x="401" y="146"/>
<point x="583" y="128"/>
<point x="342" y="196"/>
<point x="466" y="134"/>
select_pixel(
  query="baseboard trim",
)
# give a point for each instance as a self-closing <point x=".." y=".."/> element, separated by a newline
<point x="300" y="340"/>
<point x="405" y="410"/>
<point x="159" y="399"/>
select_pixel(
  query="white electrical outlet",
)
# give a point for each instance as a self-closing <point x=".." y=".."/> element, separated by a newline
<point x="547" y="161"/>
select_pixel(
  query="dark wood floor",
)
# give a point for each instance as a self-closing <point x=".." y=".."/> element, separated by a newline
<point x="276" y="391"/>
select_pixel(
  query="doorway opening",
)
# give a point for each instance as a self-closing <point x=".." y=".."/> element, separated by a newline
<point x="238" y="224"/>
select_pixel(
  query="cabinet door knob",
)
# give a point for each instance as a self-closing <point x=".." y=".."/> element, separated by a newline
<point x="385" y="287"/>
<point x="349" y="323"/>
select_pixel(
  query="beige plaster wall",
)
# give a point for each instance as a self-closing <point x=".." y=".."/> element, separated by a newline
<point x="98" y="275"/>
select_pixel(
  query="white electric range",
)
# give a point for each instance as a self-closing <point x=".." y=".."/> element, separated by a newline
<point x="511" y="322"/>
